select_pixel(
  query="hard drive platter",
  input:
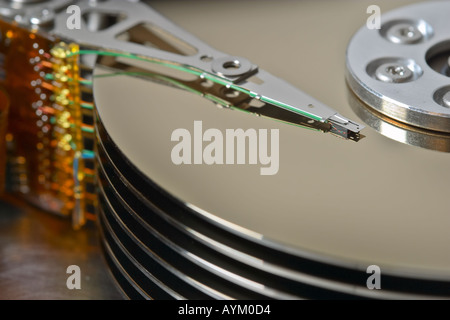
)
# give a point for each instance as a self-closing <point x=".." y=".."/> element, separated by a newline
<point x="225" y="231"/>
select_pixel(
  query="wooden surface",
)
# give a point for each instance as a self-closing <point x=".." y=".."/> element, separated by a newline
<point x="36" y="249"/>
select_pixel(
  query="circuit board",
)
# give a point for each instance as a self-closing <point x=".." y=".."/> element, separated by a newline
<point x="49" y="128"/>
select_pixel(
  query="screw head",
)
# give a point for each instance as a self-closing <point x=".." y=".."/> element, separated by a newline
<point x="446" y="99"/>
<point x="394" y="72"/>
<point x="404" y="33"/>
<point x="442" y="96"/>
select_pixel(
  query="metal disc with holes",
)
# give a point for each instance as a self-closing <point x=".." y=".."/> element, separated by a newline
<point x="403" y="69"/>
<point x="333" y="208"/>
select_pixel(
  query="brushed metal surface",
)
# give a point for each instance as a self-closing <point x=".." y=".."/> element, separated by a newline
<point x="413" y="99"/>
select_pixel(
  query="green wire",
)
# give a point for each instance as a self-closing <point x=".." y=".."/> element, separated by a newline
<point x="131" y="56"/>
<point x="87" y="106"/>
<point x="89" y="130"/>
<point x="200" y="74"/>
<point x="85" y="82"/>
<point x="49" y="76"/>
<point x="179" y="85"/>
<point x="182" y="86"/>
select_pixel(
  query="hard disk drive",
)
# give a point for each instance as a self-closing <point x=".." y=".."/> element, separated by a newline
<point x="235" y="150"/>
